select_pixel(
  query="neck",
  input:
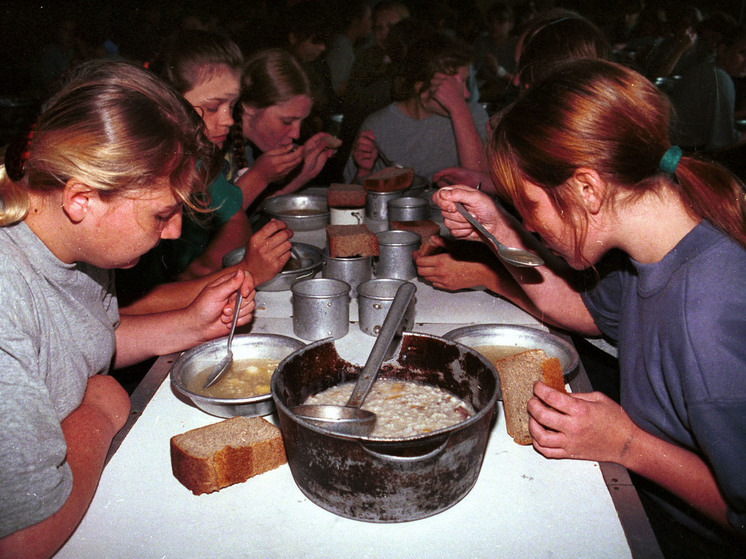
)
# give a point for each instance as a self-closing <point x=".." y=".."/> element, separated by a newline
<point x="48" y="222"/>
<point x="413" y="108"/>
<point x="651" y="227"/>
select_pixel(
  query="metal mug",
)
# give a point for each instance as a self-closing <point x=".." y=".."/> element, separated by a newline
<point x="376" y="204"/>
<point x="353" y="270"/>
<point x="321" y="308"/>
<point x="408" y="208"/>
<point x="346" y="216"/>
<point x="374" y="301"/>
<point x="395" y="254"/>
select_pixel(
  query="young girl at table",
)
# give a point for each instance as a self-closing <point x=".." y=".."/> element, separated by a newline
<point x="431" y="124"/>
<point x="111" y="162"/>
<point x="275" y="100"/>
<point x="585" y="157"/>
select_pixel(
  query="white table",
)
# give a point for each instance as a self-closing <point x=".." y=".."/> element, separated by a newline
<point x="523" y="505"/>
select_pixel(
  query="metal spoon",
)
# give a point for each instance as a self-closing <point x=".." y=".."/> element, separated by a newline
<point x="385" y="160"/>
<point x="222" y="367"/>
<point x="515" y="256"/>
<point x="350" y="419"/>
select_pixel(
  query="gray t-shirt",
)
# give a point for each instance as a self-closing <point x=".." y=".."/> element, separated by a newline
<point x="426" y="145"/>
<point x="57" y="326"/>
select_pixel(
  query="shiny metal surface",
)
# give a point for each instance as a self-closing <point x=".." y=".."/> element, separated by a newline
<point x="310" y="263"/>
<point x="284" y="208"/>
<point x="519" y="336"/>
<point x="245" y="346"/>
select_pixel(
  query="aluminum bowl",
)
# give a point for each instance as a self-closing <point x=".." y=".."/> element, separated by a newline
<point x="519" y="336"/>
<point x="310" y="257"/>
<point x="301" y="212"/>
<point x="192" y="361"/>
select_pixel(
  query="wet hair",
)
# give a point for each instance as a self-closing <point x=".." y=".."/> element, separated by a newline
<point x="270" y="77"/>
<point x="603" y="116"/>
<point x="554" y="40"/>
<point x="117" y="128"/>
<point x="432" y="53"/>
<point x="193" y="56"/>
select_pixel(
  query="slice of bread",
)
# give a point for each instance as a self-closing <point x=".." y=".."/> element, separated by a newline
<point x="345" y="196"/>
<point x="389" y="179"/>
<point x="518" y="373"/>
<point x="351" y="240"/>
<point x="231" y="451"/>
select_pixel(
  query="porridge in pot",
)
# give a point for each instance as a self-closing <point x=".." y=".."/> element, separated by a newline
<point x="403" y="408"/>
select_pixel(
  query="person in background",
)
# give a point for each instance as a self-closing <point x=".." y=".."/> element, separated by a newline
<point x="205" y="68"/>
<point x="585" y="157"/>
<point x="275" y="99"/>
<point x="113" y="159"/>
<point x="705" y="97"/>
<point x="494" y="59"/>
<point x="431" y="123"/>
<point x="354" y="25"/>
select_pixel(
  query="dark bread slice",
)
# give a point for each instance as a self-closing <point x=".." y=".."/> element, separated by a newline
<point x="345" y="196"/>
<point x="222" y="454"/>
<point x="389" y="179"/>
<point x="425" y="228"/>
<point x="351" y="240"/>
<point x="518" y="374"/>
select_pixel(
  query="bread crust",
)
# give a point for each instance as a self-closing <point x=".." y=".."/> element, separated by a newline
<point x="518" y="374"/>
<point x="389" y="179"/>
<point x="243" y="448"/>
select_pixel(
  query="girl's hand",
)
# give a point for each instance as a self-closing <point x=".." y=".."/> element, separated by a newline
<point x="364" y="152"/>
<point x="268" y="251"/>
<point x="477" y="203"/>
<point x="212" y="311"/>
<point x="582" y="426"/>
<point x="445" y="271"/>
<point x="448" y="91"/>
<point x="316" y="152"/>
<point x="275" y="164"/>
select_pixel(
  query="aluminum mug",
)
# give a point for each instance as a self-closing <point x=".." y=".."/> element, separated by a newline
<point x="395" y="254"/>
<point x="321" y="308"/>
<point x="408" y="208"/>
<point x="376" y="204"/>
<point x="353" y="270"/>
<point x="374" y="301"/>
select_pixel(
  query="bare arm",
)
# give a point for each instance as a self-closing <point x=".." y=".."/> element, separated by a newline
<point x="232" y="234"/>
<point x="594" y="427"/>
<point x="88" y="431"/>
<point x="448" y="91"/>
<point x="208" y="316"/>
<point x="550" y="288"/>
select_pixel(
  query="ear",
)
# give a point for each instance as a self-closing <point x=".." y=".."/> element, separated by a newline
<point x="591" y="188"/>
<point x="77" y="199"/>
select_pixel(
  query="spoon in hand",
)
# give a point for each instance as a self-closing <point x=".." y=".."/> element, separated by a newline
<point x="350" y="419"/>
<point x="515" y="256"/>
<point x="225" y="362"/>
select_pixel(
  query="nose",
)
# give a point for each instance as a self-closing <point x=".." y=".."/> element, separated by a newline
<point x="172" y="230"/>
<point x="226" y="118"/>
<point x="295" y="130"/>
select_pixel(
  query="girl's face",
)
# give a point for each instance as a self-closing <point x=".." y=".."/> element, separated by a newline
<point x="558" y="231"/>
<point x="142" y="220"/>
<point x="308" y="50"/>
<point x="382" y="24"/>
<point x="214" y="98"/>
<point x="276" y="125"/>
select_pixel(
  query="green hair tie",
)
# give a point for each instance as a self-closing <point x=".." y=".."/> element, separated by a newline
<point x="670" y="160"/>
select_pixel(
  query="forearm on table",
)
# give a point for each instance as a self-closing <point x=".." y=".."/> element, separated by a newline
<point x="676" y="469"/>
<point x="141" y="337"/>
<point x="88" y="434"/>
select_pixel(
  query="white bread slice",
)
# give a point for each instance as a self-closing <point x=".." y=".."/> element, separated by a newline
<point x="518" y="373"/>
<point x="231" y="451"/>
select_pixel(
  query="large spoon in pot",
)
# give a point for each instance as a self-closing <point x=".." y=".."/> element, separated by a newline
<point x="351" y="419"/>
<point x="515" y="256"/>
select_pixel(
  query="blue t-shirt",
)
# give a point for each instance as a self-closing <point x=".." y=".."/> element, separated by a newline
<point x="680" y="325"/>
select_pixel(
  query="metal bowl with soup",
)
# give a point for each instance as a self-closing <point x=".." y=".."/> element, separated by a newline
<point x="496" y="341"/>
<point x="301" y="212"/>
<point x="245" y="388"/>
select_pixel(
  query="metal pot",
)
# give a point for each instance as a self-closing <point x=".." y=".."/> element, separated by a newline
<point x="310" y="263"/>
<point x="387" y="480"/>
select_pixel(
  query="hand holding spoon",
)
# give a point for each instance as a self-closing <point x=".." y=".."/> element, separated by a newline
<point x="515" y="256"/>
